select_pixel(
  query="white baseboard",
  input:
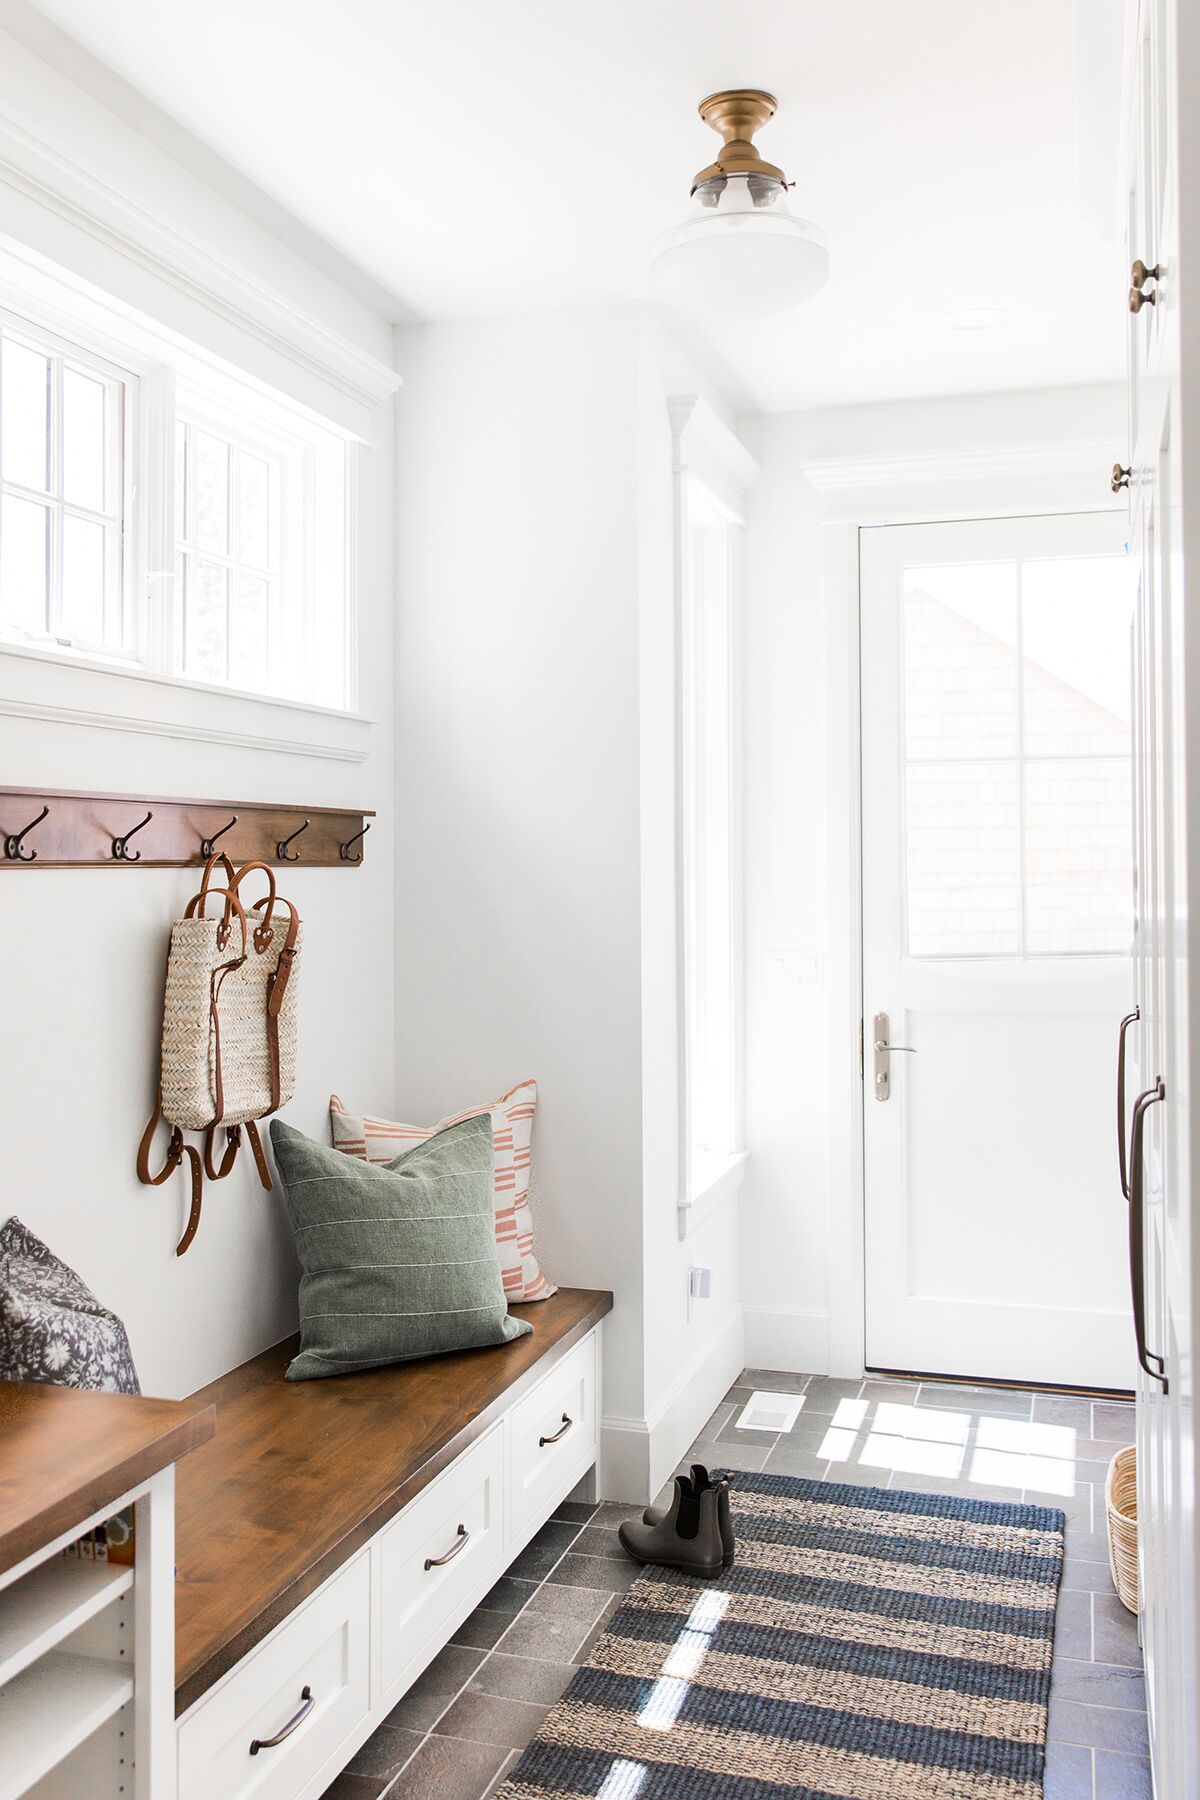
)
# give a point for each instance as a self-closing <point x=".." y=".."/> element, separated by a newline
<point x="638" y="1455"/>
<point x="793" y="1338"/>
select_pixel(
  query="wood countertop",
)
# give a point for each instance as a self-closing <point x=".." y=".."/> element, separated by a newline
<point x="301" y="1474"/>
<point x="65" y="1453"/>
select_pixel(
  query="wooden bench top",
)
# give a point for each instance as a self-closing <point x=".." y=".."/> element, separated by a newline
<point x="301" y="1474"/>
<point x="66" y="1453"/>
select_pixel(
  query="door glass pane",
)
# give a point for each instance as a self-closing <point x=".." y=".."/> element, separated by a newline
<point x="1075" y="668"/>
<point x="25" y="383"/>
<point x="83" y="579"/>
<point x="1078" y="856"/>
<point x="212" y="493"/>
<point x="24" y="564"/>
<point x="206" y="620"/>
<point x="960" y="660"/>
<point x="83" y="440"/>
<point x="182" y="522"/>
<point x="964" y="858"/>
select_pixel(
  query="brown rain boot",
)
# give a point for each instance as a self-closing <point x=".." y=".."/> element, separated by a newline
<point x="698" y="1480"/>
<point x="687" y="1538"/>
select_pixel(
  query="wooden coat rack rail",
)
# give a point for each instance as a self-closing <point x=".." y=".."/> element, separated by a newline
<point x="45" y="828"/>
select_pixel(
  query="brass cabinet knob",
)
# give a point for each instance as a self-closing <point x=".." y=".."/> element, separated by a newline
<point x="1139" y="274"/>
<point x="1120" y="478"/>
<point x="1139" y="297"/>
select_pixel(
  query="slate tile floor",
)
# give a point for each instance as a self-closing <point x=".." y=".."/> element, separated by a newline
<point x="462" y="1726"/>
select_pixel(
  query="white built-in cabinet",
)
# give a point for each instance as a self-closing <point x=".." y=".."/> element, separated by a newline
<point x="1163" y="159"/>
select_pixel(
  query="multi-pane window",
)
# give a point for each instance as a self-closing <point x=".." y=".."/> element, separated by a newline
<point x="227" y="557"/>
<point x="1017" y="758"/>
<point x="62" y="494"/>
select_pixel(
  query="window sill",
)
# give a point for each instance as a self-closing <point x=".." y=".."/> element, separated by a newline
<point x="717" y="1183"/>
<point x="75" y="690"/>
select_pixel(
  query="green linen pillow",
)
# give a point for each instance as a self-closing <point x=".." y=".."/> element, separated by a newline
<point x="399" y="1261"/>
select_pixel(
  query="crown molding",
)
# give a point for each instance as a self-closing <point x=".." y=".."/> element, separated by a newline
<point x="843" y="475"/>
<point x="36" y="166"/>
<point x="707" y="449"/>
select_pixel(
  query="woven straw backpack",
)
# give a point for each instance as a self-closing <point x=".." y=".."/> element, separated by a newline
<point x="229" y="1028"/>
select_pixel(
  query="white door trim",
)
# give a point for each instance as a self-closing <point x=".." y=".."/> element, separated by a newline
<point x="923" y="488"/>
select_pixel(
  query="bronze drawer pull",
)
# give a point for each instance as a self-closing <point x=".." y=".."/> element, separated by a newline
<point x="439" y="1562"/>
<point x="306" y="1694"/>
<point x="560" y="1433"/>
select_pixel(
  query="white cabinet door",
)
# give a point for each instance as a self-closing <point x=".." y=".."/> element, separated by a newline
<point x="1164" y="215"/>
<point x="997" y="930"/>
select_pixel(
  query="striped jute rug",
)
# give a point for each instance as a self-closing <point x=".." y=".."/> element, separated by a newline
<point x="867" y="1644"/>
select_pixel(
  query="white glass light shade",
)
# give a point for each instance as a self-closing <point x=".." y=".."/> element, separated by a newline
<point x="740" y="254"/>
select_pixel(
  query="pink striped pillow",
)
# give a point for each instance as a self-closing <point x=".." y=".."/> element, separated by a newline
<point x="379" y="1140"/>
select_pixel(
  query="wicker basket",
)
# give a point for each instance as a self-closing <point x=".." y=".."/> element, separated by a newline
<point x="1120" y="1506"/>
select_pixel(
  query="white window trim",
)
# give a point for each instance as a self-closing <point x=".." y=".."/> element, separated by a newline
<point x="110" y="693"/>
<point x="709" y="459"/>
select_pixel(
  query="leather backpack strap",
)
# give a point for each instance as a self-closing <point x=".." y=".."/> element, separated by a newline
<point x="264" y="1173"/>
<point x="233" y="1136"/>
<point x="276" y="988"/>
<point x="262" y="933"/>
<point x="177" y="1150"/>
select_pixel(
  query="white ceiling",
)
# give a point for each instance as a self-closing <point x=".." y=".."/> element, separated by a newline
<point x="492" y="156"/>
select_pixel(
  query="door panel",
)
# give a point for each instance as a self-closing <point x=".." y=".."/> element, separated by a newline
<point x="997" y="876"/>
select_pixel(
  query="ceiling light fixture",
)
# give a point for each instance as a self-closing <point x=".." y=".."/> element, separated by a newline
<point x="740" y="254"/>
<point x="978" y="318"/>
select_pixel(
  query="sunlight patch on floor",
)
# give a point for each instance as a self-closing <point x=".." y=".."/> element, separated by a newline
<point x="666" y="1697"/>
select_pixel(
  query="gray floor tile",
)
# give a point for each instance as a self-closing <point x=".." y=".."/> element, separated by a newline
<point x="1113" y="1422"/>
<point x="1068" y="1772"/>
<point x="575" y="1512"/>
<point x="354" y="1787"/>
<point x="1064" y="1409"/>
<point x="594" y="1572"/>
<point x="546" y="1637"/>
<point x="773" y="1381"/>
<point x="824" y="1394"/>
<point x="732" y="1433"/>
<point x="793" y="1459"/>
<point x="571" y="1602"/>
<point x="449" y="1769"/>
<point x="749" y="1457"/>
<point x="1103" y="1727"/>
<point x="1099" y="1684"/>
<point x="481" y="1629"/>
<point x="851" y="1474"/>
<point x="899" y="1393"/>
<point x="1073" y="1627"/>
<point x="984" y="1403"/>
<point x="599" y="1540"/>
<point x="540" y="1555"/>
<point x="432" y="1692"/>
<point x="598" y="1629"/>
<point x="520" y="1678"/>
<point x="487" y="1719"/>
<point x="507" y="1596"/>
<point x="1081" y="1572"/>
<point x="506" y="1768"/>
<point x="1115" y="1632"/>
<point x="1122" y="1777"/>
<point x="385" y="1753"/>
<point x="612" y="1514"/>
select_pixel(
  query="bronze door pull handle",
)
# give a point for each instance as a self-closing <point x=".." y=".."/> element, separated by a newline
<point x="1130" y="1018"/>
<point x="1137" y="1234"/>
<point x="456" y="1548"/>
<point x="306" y="1695"/>
<point x="562" y="1431"/>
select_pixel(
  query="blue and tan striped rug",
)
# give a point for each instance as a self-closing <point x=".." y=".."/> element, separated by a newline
<point x="867" y="1644"/>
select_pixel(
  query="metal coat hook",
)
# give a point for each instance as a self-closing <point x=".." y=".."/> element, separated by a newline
<point x="345" y="849"/>
<point x="208" y="845"/>
<point x="12" y="845"/>
<point x="121" y="849"/>
<point x="281" y="849"/>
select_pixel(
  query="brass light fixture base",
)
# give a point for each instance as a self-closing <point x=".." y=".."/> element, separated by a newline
<point x="737" y="113"/>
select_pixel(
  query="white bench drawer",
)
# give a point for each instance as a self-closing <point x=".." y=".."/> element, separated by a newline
<point x="323" y="1647"/>
<point x="438" y="1557"/>
<point x="553" y="1437"/>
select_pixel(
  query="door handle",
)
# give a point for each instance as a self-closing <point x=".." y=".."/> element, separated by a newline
<point x="883" y="1051"/>
<point x="1137" y="1233"/>
<point x="1130" y="1019"/>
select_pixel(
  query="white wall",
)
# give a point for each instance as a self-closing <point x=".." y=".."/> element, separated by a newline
<point x="535" y="740"/>
<point x="822" y="473"/>
<point x="84" y="950"/>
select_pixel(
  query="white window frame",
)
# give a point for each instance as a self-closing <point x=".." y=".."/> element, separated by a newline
<point x="712" y="473"/>
<point x="121" y="386"/>
<point x="139" y="688"/>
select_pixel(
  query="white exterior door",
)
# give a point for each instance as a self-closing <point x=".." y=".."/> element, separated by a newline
<point x="997" y="935"/>
<point x="1164" y="1042"/>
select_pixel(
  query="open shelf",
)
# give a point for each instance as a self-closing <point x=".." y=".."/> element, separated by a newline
<point x="47" y="1605"/>
<point x="51" y="1707"/>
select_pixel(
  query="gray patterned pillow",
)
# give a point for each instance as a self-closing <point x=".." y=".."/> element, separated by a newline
<point x="52" y="1327"/>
